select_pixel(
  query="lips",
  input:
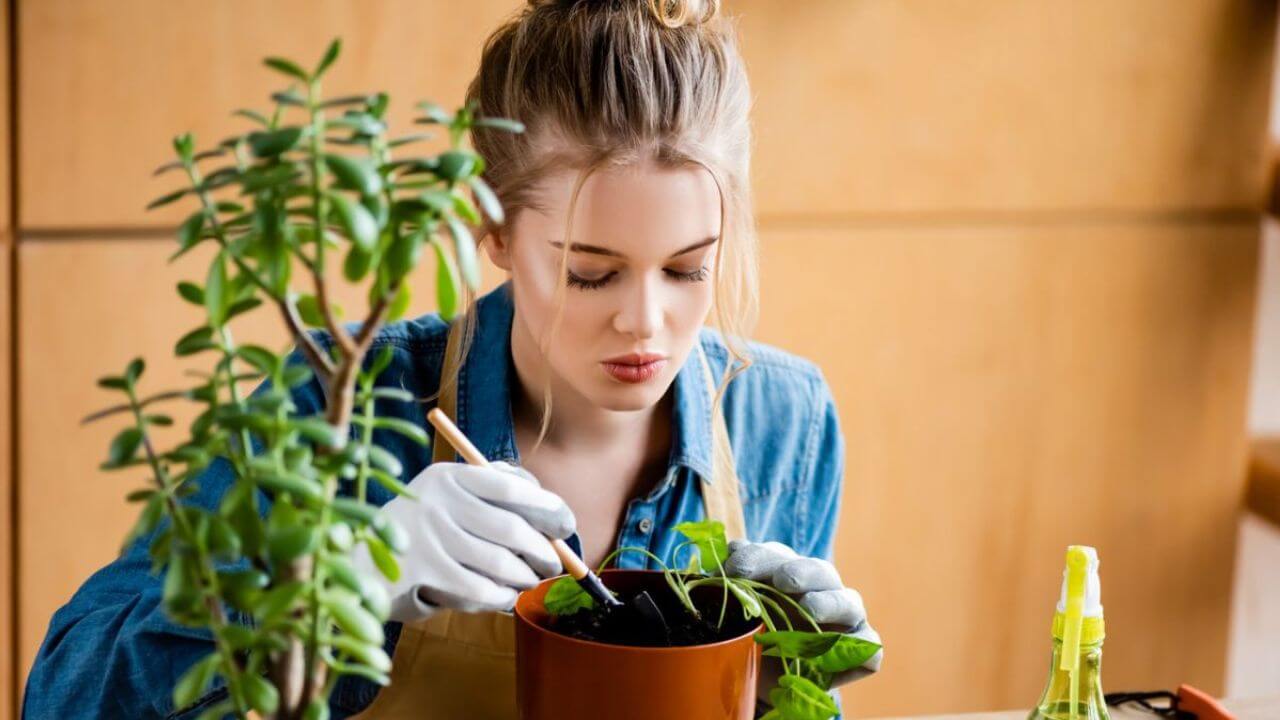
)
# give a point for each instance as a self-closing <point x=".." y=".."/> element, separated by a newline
<point x="634" y="367"/>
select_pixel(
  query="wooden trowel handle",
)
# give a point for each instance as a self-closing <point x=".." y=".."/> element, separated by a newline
<point x="572" y="563"/>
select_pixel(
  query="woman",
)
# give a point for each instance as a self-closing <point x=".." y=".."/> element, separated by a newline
<point x="589" y="375"/>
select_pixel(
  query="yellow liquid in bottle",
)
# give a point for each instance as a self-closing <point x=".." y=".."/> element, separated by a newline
<point x="1055" y="703"/>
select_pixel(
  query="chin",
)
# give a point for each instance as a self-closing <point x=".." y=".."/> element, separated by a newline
<point x="629" y="398"/>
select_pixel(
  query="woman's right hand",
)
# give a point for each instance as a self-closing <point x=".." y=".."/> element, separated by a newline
<point x="476" y="537"/>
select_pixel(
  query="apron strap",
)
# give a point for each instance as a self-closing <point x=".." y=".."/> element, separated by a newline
<point x="721" y="497"/>
<point x="441" y="450"/>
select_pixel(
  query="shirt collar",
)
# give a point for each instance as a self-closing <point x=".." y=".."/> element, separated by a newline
<point x="691" y="418"/>
<point x="487" y="378"/>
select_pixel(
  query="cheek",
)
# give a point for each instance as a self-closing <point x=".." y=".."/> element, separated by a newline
<point x="582" y="318"/>
<point x="586" y="313"/>
<point x="693" y="305"/>
<point x="534" y="281"/>
<point x="586" y="329"/>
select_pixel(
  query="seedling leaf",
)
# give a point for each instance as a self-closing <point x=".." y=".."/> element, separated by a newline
<point x="708" y="537"/>
<point x="566" y="597"/>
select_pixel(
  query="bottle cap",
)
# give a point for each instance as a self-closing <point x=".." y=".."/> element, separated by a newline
<point x="1092" y="597"/>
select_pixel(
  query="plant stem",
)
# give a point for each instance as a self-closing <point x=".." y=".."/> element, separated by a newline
<point x="724" y="603"/>
<point x="208" y="577"/>
<point x="366" y="439"/>
<point x="309" y="348"/>
<point x="775" y="591"/>
<point x="228" y="347"/>
<point x="642" y="551"/>
<point x="340" y="388"/>
<point x="771" y="603"/>
<point x="319" y="210"/>
<point x="343" y="385"/>
<point x="127" y="407"/>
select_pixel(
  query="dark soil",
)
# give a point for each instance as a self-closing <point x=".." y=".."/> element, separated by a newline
<point x="627" y="626"/>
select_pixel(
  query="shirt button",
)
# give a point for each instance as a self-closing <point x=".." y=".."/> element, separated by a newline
<point x="645" y="526"/>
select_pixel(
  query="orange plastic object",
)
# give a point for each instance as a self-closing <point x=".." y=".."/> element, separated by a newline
<point x="564" y="678"/>
<point x="1202" y="704"/>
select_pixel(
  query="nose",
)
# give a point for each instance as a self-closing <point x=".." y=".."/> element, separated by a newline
<point x="641" y="310"/>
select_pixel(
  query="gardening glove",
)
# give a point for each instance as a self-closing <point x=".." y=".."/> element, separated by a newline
<point x="475" y="539"/>
<point x="818" y="587"/>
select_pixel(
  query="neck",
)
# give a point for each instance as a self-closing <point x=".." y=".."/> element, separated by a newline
<point x="578" y="425"/>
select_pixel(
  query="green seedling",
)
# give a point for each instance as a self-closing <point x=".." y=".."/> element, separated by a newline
<point x="809" y="656"/>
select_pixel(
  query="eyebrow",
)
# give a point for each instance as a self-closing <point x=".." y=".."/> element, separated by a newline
<point x="597" y="250"/>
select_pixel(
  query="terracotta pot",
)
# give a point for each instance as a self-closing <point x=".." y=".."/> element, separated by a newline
<point x="564" y="678"/>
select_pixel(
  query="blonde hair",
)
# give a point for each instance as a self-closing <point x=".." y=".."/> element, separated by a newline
<point x="605" y="83"/>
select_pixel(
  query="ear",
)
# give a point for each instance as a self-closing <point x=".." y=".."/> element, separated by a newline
<point x="499" y="249"/>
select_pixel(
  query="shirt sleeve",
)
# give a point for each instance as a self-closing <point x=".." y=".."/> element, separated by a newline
<point x="826" y="474"/>
<point x="111" y="651"/>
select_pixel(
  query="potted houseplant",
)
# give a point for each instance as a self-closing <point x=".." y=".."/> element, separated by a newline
<point x="699" y="660"/>
<point x="315" y="183"/>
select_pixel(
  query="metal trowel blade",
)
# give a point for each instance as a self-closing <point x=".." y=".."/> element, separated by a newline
<point x="648" y="609"/>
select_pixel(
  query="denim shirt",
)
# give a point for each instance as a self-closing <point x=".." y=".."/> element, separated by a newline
<point x="112" y="652"/>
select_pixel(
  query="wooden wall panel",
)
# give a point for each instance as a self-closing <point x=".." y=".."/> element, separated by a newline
<point x="6" y="166"/>
<point x="7" y="649"/>
<point x="861" y="107"/>
<point x="87" y="307"/>
<point x="956" y="107"/>
<point x="1006" y="391"/>
<point x="8" y="699"/>
<point x="106" y="84"/>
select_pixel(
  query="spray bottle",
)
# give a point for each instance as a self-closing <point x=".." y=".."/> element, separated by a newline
<point x="1074" y="688"/>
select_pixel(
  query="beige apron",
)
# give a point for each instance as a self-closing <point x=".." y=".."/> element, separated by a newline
<point x="462" y="665"/>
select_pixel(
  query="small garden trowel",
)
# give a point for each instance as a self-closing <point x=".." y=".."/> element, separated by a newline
<point x="642" y="603"/>
<point x="587" y="580"/>
<point x="573" y="564"/>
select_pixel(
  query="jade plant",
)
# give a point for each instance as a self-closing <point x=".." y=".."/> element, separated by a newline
<point x="809" y="656"/>
<point x="313" y="180"/>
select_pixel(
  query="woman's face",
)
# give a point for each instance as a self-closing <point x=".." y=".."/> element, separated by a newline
<point x="639" y="284"/>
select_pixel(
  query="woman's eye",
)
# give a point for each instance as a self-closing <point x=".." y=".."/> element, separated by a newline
<point x="591" y="283"/>
<point x="575" y="280"/>
<point x="689" y="275"/>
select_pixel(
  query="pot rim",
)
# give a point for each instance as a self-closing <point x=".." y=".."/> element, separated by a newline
<point x="529" y="622"/>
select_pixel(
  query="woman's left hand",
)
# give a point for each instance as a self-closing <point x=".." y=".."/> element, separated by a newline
<point x="818" y="586"/>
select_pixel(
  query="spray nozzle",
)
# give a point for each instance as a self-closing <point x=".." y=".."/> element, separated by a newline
<point x="1086" y="557"/>
<point x="1081" y="597"/>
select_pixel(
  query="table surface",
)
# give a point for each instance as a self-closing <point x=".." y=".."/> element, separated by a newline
<point x="1244" y="709"/>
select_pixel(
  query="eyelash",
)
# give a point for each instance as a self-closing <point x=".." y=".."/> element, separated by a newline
<point x="698" y="275"/>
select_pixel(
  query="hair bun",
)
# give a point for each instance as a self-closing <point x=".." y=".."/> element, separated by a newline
<point x="671" y="13"/>
<point x="678" y="13"/>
